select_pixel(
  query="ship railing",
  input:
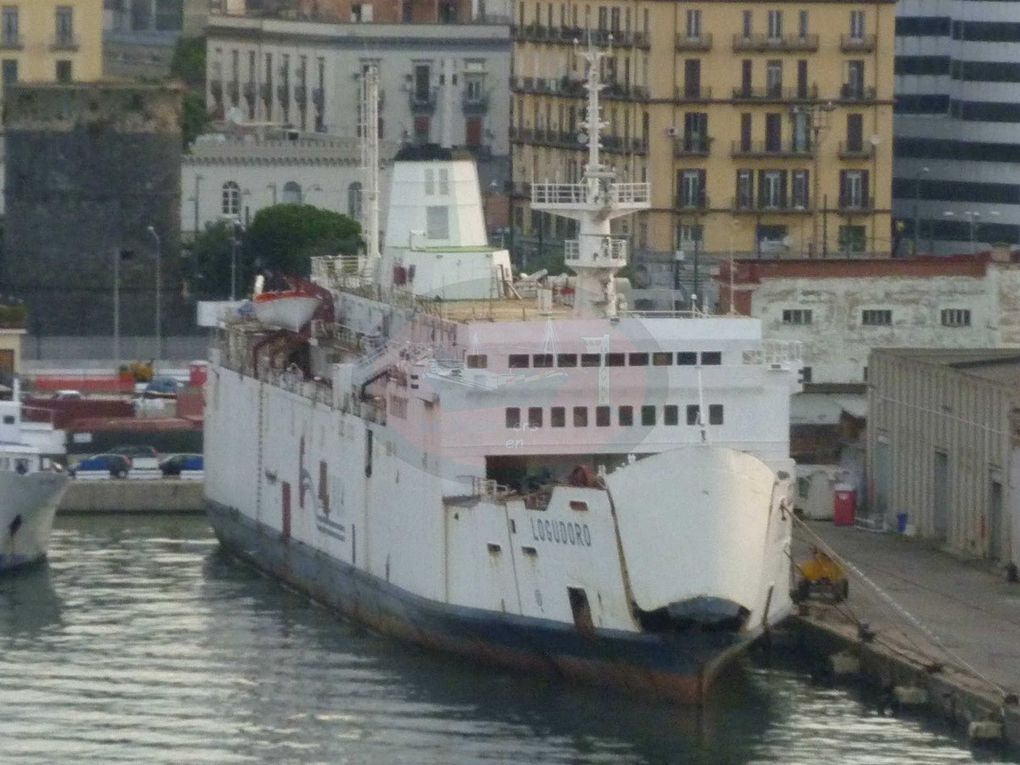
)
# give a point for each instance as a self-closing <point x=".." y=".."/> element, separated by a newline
<point x="694" y="313"/>
<point x="338" y="271"/>
<point x="630" y="193"/>
<point x="559" y="193"/>
<point x="776" y="353"/>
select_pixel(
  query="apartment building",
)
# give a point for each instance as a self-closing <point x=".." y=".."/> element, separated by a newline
<point x="440" y="83"/>
<point x="763" y="128"/>
<point x="51" y="41"/>
<point x="957" y="125"/>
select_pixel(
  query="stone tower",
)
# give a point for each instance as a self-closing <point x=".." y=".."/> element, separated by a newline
<point x="89" y="168"/>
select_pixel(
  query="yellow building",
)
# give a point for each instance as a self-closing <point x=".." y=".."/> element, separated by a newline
<point x="51" y="40"/>
<point x="764" y="128"/>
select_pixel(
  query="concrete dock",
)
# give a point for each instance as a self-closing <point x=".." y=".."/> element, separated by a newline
<point x="938" y="628"/>
<point x="171" y="495"/>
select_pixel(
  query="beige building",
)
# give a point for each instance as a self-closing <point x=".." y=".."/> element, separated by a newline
<point x="763" y="128"/>
<point x="51" y="40"/>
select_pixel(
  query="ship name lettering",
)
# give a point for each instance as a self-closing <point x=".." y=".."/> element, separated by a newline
<point x="561" y="532"/>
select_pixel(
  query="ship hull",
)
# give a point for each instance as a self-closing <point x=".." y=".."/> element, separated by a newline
<point x="674" y="666"/>
<point x="28" y="504"/>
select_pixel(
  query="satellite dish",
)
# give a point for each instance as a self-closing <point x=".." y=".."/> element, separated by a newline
<point x="875" y="139"/>
<point x="582" y="138"/>
<point x="235" y="116"/>
<point x="787" y="240"/>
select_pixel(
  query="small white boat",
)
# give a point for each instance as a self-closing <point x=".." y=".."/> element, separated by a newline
<point x="288" y="309"/>
<point x="31" y="486"/>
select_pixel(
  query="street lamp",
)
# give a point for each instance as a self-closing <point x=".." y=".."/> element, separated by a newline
<point x="198" y="180"/>
<point x="159" y="289"/>
<point x="972" y="218"/>
<point x="817" y="115"/>
<point x="917" y="200"/>
<point x="272" y="187"/>
<point x="236" y="228"/>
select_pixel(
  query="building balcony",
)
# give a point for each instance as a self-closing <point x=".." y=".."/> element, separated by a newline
<point x="477" y="103"/>
<point x="319" y="98"/>
<point x="854" y="205"/>
<point x="862" y="150"/>
<point x="621" y="91"/>
<point x="775" y="205"/>
<point x="857" y="44"/>
<point x="693" y="202"/>
<point x="856" y="93"/>
<point x="65" y="42"/>
<point x="234" y="91"/>
<point x="249" y="92"/>
<point x="422" y="103"/>
<point x="266" y="93"/>
<point x="691" y="146"/>
<point x="774" y="94"/>
<point x="300" y="95"/>
<point x="690" y="93"/>
<point x="787" y="149"/>
<point x="760" y="43"/>
<point x="12" y="42"/>
<point x="700" y="42"/>
<point x="621" y="145"/>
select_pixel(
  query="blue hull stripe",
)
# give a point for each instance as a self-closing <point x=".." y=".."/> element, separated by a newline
<point x="672" y="665"/>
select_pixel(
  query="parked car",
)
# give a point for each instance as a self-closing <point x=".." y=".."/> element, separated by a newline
<point x="186" y="466"/>
<point x="143" y="460"/>
<point x="101" y="466"/>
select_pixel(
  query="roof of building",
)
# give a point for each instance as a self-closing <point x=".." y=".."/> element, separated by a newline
<point x="998" y="365"/>
<point x="754" y="271"/>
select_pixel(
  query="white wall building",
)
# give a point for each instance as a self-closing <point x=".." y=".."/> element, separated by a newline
<point x="236" y="176"/>
<point x="839" y="310"/>
<point x="439" y="83"/>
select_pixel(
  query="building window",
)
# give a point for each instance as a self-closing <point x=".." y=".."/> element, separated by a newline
<point x="647" y="415"/>
<point x="745" y="185"/>
<point x="805" y="375"/>
<point x="64" y="71"/>
<point x="671" y="414"/>
<point x="292" y="193"/>
<point x="876" y="317"/>
<point x="519" y="361"/>
<point x="231" y="199"/>
<point x="802" y="27"/>
<point x="687" y="358"/>
<point x="775" y="25"/>
<point x="799" y="185"/>
<point x="711" y="358"/>
<point x="10" y="71"/>
<point x="857" y="25"/>
<point x="955" y="317"/>
<point x="715" y="414"/>
<point x="852" y="238"/>
<point x="64" y="25"/>
<point x="853" y="189"/>
<point x="513" y="417"/>
<point x="580" y="417"/>
<point x="477" y="361"/>
<point x="693" y="24"/>
<point x="9" y="29"/>
<point x="747" y="23"/>
<point x="796" y="316"/>
<point x="534" y="417"/>
<point x="354" y="200"/>
<point x="558" y="417"/>
<point x="602" y="416"/>
<point x="693" y="414"/>
<point x="626" y="414"/>
<point x="422" y="83"/>
<point x="474" y="88"/>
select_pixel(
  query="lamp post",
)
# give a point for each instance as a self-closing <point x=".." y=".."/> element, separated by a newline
<point x="917" y="201"/>
<point x="198" y="180"/>
<point x="972" y="219"/>
<point x="159" y="290"/>
<point x="234" y="243"/>
<point x="817" y="115"/>
<point x="272" y="188"/>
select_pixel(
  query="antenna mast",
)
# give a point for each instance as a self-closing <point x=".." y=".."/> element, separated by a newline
<point x="369" y="140"/>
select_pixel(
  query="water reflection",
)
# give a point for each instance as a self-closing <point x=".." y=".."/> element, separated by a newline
<point x="28" y="604"/>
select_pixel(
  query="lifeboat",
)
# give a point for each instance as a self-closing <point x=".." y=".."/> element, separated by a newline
<point x="288" y="309"/>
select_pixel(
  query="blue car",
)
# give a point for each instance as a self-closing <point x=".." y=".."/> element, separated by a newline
<point x="186" y="466"/>
<point x="102" y="466"/>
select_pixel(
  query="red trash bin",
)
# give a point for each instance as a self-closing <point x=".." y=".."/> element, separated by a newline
<point x="844" y="505"/>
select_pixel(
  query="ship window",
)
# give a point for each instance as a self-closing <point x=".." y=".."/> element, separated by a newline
<point x="580" y="417"/>
<point x="8" y="419"/>
<point x="662" y="359"/>
<point x="615" y="359"/>
<point x="566" y="360"/>
<point x="626" y="415"/>
<point x="638" y="359"/>
<point x="711" y="358"/>
<point x="687" y="358"/>
<point x="715" y="414"/>
<point x="541" y="360"/>
<point x="477" y="361"/>
<point x="534" y="416"/>
<point x="513" y="417"/>
<point x="670" y="414"/>
<point x="437" y="222"/>
<point x="591" y="359"/>
<point x="648" y="415"/>
<point x="692" y="414"/>
<point x="519" y="360"/>
<point x="602" y="416"/>
<point x="558" y="417"/>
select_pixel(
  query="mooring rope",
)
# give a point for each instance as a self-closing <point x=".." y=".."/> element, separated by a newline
<point x="889" y="601"/>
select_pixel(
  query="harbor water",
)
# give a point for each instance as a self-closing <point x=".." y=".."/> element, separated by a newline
<point x="140" y="641"/>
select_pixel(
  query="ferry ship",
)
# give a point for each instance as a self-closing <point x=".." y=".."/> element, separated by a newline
<point x="523" y="472"/>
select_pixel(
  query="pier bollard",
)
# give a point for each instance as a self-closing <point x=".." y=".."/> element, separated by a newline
<point x="984" y="731"/>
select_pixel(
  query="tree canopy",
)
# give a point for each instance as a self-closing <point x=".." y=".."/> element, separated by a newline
<point x="282" y="238"/>
<point x="188" y="66"/>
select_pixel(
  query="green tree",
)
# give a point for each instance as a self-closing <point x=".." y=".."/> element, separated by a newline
<point x="188" y="63"/>
<point x="207" y="267"/>
<point x="282" y="238"/>
<point x="194" y="117"/>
